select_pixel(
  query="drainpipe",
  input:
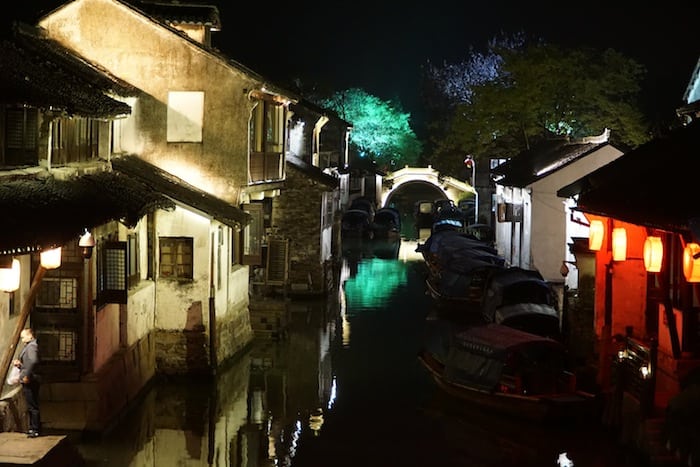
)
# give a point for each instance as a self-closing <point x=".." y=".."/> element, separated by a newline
<point x="212" y="309"/>
<point x="22" y="320"/>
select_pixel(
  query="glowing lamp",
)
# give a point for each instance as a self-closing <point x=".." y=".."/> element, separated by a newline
<point x="595" y="235"/>
<point x="691" y="262"/>
<point x="9" y="276"/>
<point x="619" y="244"/>
<point x="51" y="259"/>
<point x="86" y="244"/>
<point x="653" y="253"/>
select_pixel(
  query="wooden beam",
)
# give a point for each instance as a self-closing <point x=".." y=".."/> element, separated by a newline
<point x="21" y="321"/>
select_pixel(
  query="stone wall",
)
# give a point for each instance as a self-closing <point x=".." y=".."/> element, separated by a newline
<point x="94" y="402"/>
<point x="297" y="213"/>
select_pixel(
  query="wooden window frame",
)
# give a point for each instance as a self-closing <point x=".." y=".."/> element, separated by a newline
<point x="176" y="258"/>
<point x="112" y="280"/>
<point x="253" y="235"/>
<point x="20" y="123"/>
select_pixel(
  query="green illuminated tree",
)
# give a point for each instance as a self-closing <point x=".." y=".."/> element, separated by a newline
<point x="381" y="130"/>
<point x="540" y="90"/>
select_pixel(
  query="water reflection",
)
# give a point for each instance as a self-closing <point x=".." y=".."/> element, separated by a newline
<point x="326" y="396"/>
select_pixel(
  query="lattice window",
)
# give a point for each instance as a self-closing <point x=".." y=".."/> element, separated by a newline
<point x="58" y="293"/>
<point x="112" y="270"/>
<point x="57" y="345"/>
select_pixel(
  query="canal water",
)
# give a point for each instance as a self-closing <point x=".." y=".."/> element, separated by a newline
<point x="342" y="388"/>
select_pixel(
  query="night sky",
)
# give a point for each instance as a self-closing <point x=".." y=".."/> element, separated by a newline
<point x="382" y="48"/>
<point x="381" y="45"/>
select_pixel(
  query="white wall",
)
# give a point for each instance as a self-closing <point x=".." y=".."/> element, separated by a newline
<point x="174" y="298"/>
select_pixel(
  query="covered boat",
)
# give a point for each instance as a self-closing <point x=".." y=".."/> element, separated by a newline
<point x="387" y="223"/>
<point x="522" y="299"/>
<point x="356" y="223"/>
<point x="459" y="265"/>
<point x="506" y="370"/>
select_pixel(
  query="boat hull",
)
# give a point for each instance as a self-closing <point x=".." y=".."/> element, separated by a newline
<point x="577" y="405"/>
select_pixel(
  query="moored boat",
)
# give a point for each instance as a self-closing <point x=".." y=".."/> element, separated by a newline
<point x="387" y="223"/>
<point x="356" y="223"/>
<point x="508" y="371"/>
<point x="467" y="273"/>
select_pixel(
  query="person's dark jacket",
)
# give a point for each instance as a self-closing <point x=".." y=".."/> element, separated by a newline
<point x="29" y="357"/>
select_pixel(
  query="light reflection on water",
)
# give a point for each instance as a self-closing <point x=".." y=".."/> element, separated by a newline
<point x="326" y="396"/>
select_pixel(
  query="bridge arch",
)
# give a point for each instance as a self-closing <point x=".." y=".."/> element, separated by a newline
<point x="444" y="186"/>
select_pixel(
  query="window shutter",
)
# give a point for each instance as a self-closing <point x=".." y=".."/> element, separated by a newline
<point x="112" y="278"/>
<point x="277" y="260"/>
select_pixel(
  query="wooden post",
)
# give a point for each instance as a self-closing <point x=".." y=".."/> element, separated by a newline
<point x="21" y="321"/>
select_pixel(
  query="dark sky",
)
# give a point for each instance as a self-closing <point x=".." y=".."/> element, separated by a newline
<point x="381" y="45"/>
<point x="382" y="48"/>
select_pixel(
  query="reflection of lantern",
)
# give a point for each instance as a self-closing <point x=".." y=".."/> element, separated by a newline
<point x="653" y="254"/>
<point x="619" y="244"/>
<point x="9" y="277"/>
<point x="595" y="235"/>
<point x="51" y="259"/>
<point x="691" y="264"/>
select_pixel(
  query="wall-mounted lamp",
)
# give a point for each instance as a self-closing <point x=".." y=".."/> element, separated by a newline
<point x="86" y="244"/>
<point x="595" y="235"/>
<point x="51" y="259"/>
<point x="619" y="244"/>
<point x="691" y="263"/>
<point x="653" y="253"/>
<point x="9" y="274"/>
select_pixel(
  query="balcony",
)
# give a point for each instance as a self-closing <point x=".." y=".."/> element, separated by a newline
<point x="266" y="167"/>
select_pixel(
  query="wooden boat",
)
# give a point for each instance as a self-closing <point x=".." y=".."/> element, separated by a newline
<point x="467" y="273"/>
<point x="458" y="264"/>
<point x="508" y="371"/>
<point x="356" y="223"/>
<point x="387" y="223"/>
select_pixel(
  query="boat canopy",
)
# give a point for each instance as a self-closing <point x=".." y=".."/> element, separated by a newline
<point x="480" y="355"/>
<point x="515" y="292"/>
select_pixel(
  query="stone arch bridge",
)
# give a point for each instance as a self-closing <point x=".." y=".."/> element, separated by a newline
<point x="427" y="180"/>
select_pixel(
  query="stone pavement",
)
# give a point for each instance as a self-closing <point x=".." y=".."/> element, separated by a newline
<point x="50" y="450"/>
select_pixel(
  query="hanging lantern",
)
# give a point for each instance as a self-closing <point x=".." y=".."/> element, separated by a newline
<point x="51" y="259"/>
<point x="86" y="244"/>
<point x="9" y="277"/>
<point x="691" y="264"/>
<point x="595" y="235"/>
<point x="619" y="244"/>
<point x="653" y="254"/>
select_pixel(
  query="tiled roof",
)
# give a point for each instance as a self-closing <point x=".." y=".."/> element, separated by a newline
<point x="654" y="185"/>
<point x="39" y="72"/>
<point x="44" y="213"/>
<point x="181" y="191"/>
<point x="312" y="172"/>
<point x="541" y="160"/>
<point x="181" y="13"/>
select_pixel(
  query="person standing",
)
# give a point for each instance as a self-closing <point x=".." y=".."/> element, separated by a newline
<point x="27" y="363"/>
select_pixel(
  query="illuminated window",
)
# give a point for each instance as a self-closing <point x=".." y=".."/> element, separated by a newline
<point x="267" y="141"/>
<point x="185" y="116"/>
<point x="176" y="257"/>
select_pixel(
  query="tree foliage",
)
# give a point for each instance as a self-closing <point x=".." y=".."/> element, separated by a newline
<point x="381" y="130"/>
<point x="518" y="93"/>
